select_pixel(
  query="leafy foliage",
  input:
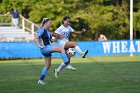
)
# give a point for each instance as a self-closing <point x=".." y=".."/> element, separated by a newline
<point x="110" y="17"/>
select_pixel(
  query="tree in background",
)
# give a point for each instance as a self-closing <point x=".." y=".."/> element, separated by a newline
<point x="109" y="17"/>
<point x="136" y="21"/>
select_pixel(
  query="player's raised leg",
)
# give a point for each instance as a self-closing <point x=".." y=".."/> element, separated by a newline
<point x="77" y="48"/>
<point x="64" y="57"/>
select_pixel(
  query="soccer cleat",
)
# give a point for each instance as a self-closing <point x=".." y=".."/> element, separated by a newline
<point x="41" y="82"/>
<point x="70" y="68"/>
<point x="84" y="54"/>
<point x="56" y="73"/>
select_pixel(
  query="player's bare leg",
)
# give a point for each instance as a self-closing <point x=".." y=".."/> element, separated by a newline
<point x="77" y="48"/>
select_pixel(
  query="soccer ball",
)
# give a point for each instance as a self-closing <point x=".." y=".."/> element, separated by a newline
<point x="71" y="52"/>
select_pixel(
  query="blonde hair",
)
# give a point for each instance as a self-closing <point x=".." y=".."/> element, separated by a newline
<point x="44" y="21"/>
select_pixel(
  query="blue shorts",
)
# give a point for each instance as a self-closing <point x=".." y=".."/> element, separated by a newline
<point x="47" y="50"/>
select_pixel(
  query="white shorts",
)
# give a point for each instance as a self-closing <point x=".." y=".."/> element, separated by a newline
<point x="15" y="22"/>
<point x="62" y="44"/>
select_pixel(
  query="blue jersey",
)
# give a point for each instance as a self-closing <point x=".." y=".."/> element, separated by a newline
<point x="15" y="14"/>
<point x="44" y="36"/>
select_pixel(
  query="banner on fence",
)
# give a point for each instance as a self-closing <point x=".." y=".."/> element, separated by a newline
<point x="106" y="48"/>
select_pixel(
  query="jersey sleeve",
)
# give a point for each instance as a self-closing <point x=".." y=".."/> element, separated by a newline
<point x="40" y="32"/>
<point x="71" y="29"/>
<point x="58" y="30"/>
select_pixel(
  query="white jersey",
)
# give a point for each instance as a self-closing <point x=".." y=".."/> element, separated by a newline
<point x="64" y="32"/>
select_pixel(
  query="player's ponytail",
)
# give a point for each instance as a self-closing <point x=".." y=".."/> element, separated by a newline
<point x="65" y="18"/>
<point x="44" y="21"/>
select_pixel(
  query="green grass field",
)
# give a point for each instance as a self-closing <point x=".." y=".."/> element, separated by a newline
<point x="118" y="74"/>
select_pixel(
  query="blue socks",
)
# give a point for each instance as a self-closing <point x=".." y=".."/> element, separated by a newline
<point x="45" y="69"/>
<point x="44" y="72"/>
<point x="65" y="59"/>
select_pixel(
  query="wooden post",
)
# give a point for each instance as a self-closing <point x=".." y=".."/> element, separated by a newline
<point x="33" y="28"/>
<point x="23" y="24"/>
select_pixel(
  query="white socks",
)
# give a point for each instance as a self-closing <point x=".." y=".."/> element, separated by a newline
<point x="77" y="48"/>
<point x="61" y="67"/>
<point x="69" y="65"/>
<point x="63" y="64"/>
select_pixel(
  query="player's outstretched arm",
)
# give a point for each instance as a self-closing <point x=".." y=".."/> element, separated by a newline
<point x="7" y="14"/>
<point x="56" y="35"/>
<point x="54" y="39"/>
<point x="79" y="32"/>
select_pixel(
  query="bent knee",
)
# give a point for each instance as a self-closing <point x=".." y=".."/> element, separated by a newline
<point x="74" y="44"/>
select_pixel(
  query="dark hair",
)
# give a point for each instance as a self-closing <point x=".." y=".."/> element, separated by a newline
<point x="44" y="21"/>
<point x="14" y="9"/>
<point x="65" y="18"/>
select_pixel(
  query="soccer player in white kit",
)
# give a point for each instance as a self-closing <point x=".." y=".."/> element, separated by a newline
<point x="64" y="31"/>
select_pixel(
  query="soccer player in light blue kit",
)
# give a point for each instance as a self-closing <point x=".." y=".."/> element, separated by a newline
<point x="43" y="41"/>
